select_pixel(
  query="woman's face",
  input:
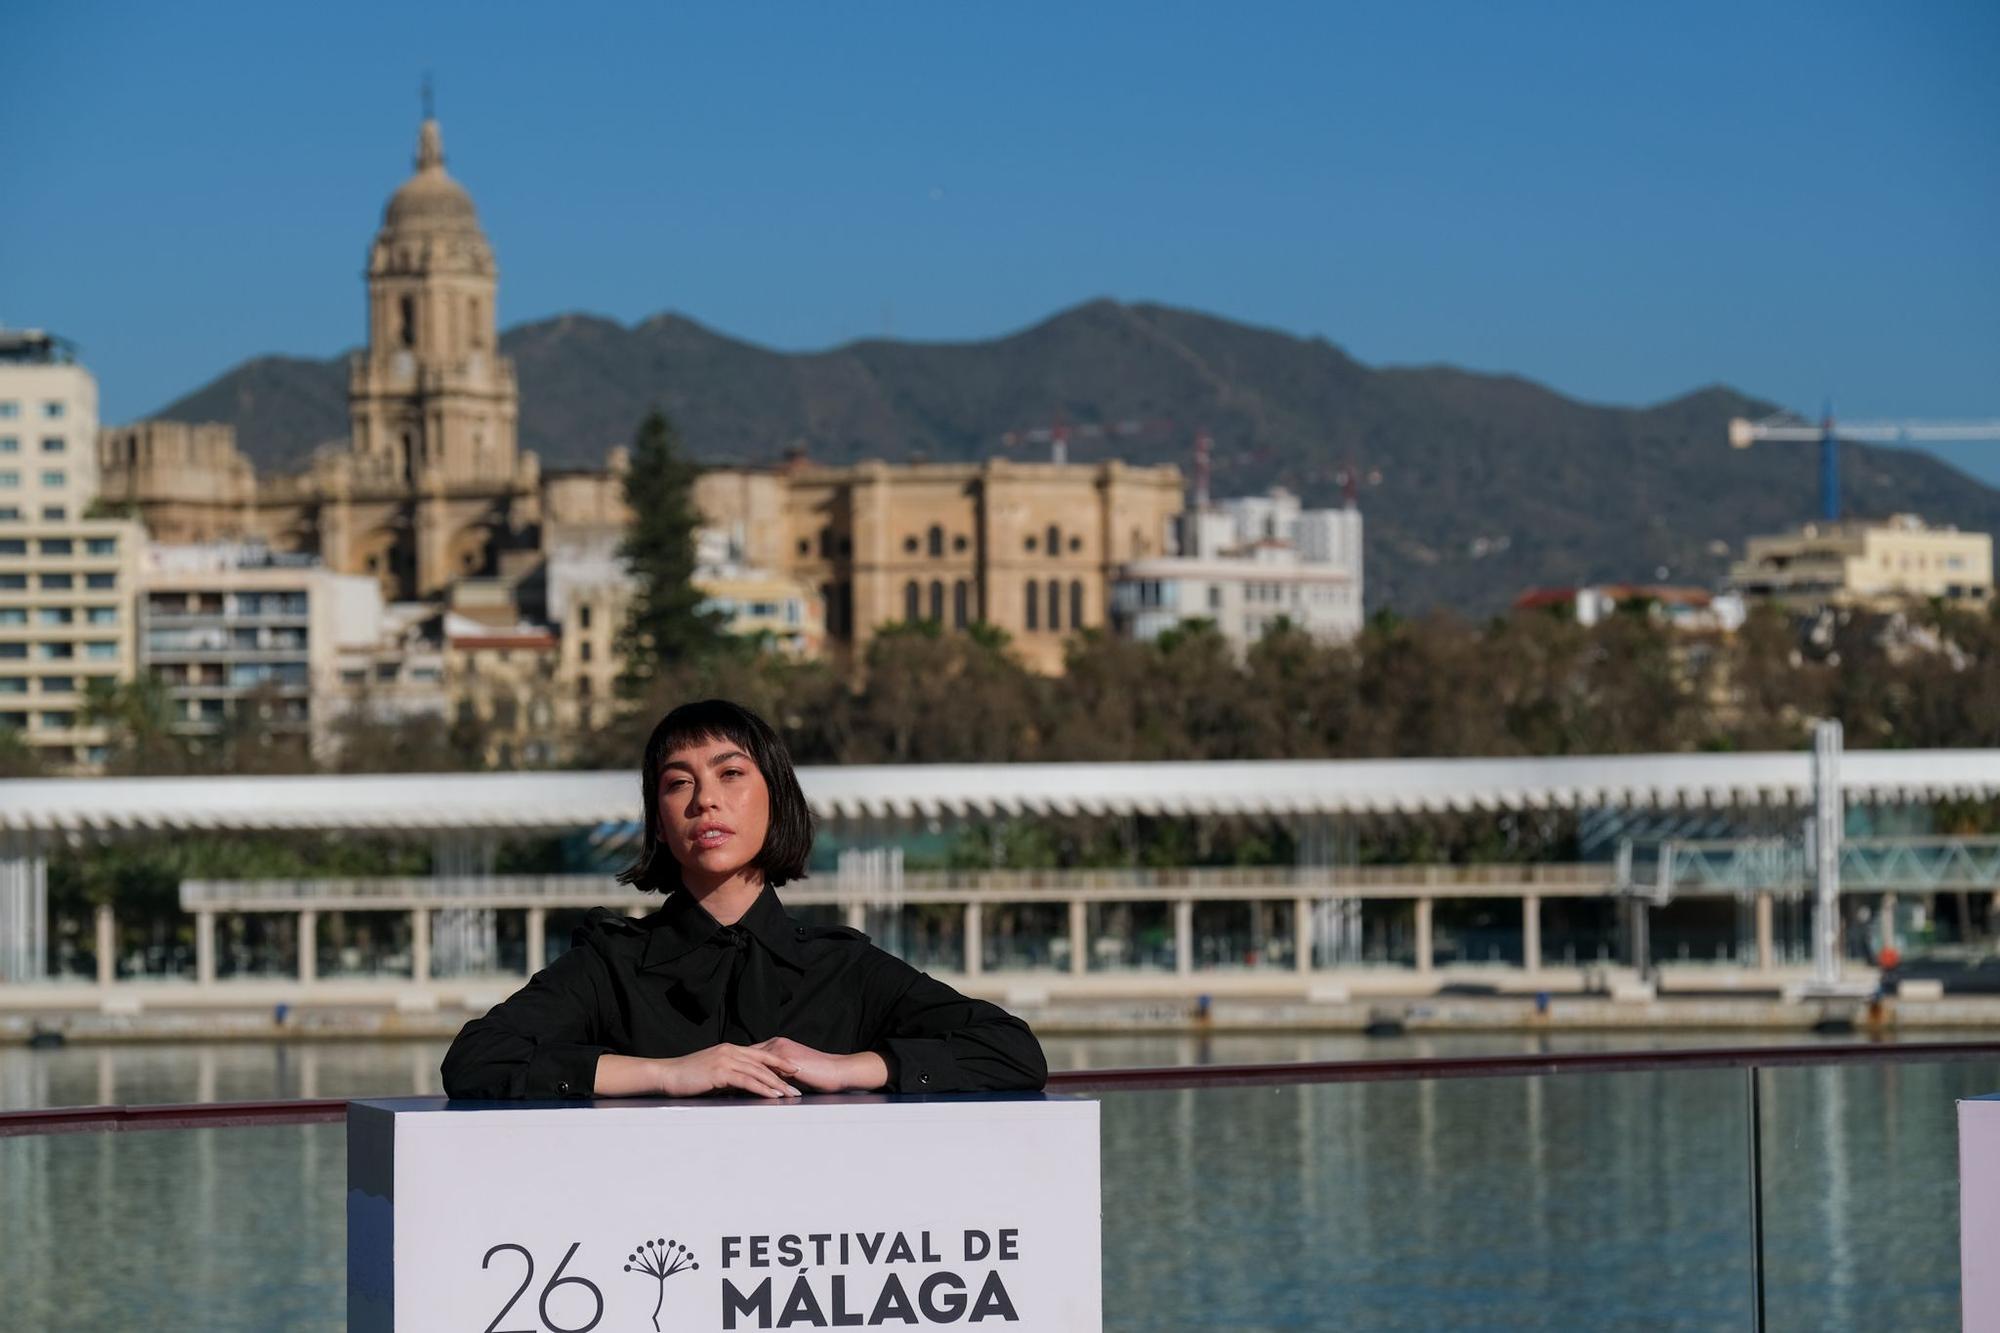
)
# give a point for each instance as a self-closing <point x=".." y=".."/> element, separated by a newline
<point x="714" y="811"/>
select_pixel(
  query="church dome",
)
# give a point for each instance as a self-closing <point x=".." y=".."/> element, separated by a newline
<point x="430" y="200"/>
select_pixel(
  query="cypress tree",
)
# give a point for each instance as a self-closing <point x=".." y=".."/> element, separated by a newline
<point x="664" y="626"/>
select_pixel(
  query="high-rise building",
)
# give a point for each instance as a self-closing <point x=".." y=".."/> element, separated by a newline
<point x="66" y="580"/>
<point x="231" y="627"/>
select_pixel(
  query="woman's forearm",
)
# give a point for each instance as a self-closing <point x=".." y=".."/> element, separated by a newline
<point x="626" y="1076"/>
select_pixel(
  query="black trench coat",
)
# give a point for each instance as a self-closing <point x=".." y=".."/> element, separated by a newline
<point x="676" y="982"/>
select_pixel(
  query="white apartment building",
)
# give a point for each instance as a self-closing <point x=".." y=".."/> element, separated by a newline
<point x="230" y="625"/>
<point x="66" y="581"/>
<point x="1245" y="564"/>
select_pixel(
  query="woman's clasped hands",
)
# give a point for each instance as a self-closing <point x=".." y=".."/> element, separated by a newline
<point x="779" y="1067"/>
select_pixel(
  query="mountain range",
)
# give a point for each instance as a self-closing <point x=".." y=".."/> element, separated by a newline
<point x="1476" y="485"/>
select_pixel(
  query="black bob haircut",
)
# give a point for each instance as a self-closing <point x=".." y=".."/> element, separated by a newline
<point x="787" y="843"/>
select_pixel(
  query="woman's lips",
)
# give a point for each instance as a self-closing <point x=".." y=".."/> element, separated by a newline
<point x="712" y="836"/>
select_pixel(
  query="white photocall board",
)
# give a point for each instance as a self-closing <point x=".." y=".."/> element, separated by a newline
<point x="683" y="1217"/>
<point x="1979" y="1213"/>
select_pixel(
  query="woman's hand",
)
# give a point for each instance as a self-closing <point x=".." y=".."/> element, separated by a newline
<point x="747" y="1068"/>
<point x="864" y="1071"/>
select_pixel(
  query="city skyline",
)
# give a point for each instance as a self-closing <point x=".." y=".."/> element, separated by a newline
<point x="1626" y="255"/>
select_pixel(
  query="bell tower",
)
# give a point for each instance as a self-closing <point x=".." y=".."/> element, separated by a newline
<point x="432" y="403"/>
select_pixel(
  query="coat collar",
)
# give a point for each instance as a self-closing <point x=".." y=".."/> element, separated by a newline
<point x="683" y="925"/>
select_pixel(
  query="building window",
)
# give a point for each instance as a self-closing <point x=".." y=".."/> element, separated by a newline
<point x="54" y="513"/>
<point x="10" y="478"/>
<point x="1076" y="604"/>
<point x="54" y="615"/>
<point x="61" y="720"/>
<point x="100" y="581"/>
<point x="959" y="543"/>
<point x="53" y="410"/>
<point x="13" y="580"/>
<point x="1055" y="605"/>
<point x="1055" y="546"/>
<point x="9" y="410"/>
<point x="10" y="444"/>
<point x="56" y="652"/>
<point x="54" y="477"/>
<point x="937" y="540"/>
<point x="10" y="513"/>
<point x="56" y="546"/>
<point x="101" y="649"/>
<point x="57" y="582"/>
<point x="13" y="684"/>
<point x="960" y="597"/>
<point x="805" y="547"/>
<point x="1034" y="592"/>
<point x="910" y="595"/>
<point x="937" y="601"/>
<point x="826" y="543"/>
<point x="910" y="545"/>
<point x="54" y="444"/>
<point x="13" y="615"/>
<point x="583" y="616"/>
<point x="1076" y="543"/>
<point x="58" y="684"/>
<point x="100" y="546"/>
<point x="1029" y="544"/>
<point x="406" y="313"/>
<point x="1214" y="597"/>
<point x="583" y="651"/>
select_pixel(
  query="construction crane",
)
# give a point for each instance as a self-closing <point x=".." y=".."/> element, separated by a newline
<point x="1789" y="428"/>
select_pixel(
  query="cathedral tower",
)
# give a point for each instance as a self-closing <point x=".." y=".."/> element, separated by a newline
<point x="432" y="402"/>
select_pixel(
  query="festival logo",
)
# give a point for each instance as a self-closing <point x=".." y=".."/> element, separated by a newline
<point x="660" y="1260"/>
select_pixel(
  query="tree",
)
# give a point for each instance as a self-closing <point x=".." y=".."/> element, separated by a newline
<point x="665" y="625"/>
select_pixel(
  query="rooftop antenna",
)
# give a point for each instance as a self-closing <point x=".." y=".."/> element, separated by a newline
<point x="430" y="98"/>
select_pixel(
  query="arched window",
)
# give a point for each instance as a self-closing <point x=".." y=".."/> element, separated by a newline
<point x="1034" y="593"/>
<point x="826" y="543"/>
<point x="1076" y="604"/>
<point x="937" y="601"/>
<point x="937" y="540"/>
<point x="472" y="320"/>
<point x="910" y="595"/>
<point x="1055" y="605"/>
<point x="406" y="309"/>
<point x="1055" y="544"/>
<point x="959" y="607"/>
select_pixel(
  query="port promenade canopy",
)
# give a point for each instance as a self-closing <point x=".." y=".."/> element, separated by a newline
<point x="500" y="803"/>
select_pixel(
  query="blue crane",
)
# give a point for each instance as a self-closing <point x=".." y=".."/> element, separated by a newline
<point x="1791" y="428"/>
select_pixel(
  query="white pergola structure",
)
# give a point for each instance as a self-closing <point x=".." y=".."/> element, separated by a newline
<point x="459" y="809"/>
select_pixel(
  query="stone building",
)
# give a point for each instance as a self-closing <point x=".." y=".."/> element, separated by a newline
<point x="431" y="487"/>
<point x="1029" y="548"/>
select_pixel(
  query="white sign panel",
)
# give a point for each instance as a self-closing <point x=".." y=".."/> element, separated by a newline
<point x="1979" y="1214"/>
<point x="618" y="1217"/>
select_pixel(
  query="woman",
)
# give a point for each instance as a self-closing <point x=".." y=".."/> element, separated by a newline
<point x="720" y="989"/>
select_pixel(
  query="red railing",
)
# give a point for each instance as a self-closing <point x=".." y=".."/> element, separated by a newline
<point x="220" y="1115"/>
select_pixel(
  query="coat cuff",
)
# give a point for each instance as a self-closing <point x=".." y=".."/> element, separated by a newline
<point x="920" y="1064"/>
<point x="562" y="1069"/>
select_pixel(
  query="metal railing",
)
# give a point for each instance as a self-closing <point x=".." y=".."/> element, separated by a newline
<point x="215" y="1115"/>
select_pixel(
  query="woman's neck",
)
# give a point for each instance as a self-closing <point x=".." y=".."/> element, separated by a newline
<point x="729" y="898"/>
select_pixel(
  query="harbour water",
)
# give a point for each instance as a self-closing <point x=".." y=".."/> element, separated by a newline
<point x="1567" y="1201"/>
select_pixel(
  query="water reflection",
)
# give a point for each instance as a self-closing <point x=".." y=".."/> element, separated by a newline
<point x="1612" y="1200"/>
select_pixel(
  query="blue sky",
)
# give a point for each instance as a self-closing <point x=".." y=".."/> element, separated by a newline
<point x="1622" y="202"/>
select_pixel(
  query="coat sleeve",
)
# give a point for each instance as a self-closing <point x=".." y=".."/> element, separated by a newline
<point x="936" y="1040"/>
<point x="541" y="1042"/>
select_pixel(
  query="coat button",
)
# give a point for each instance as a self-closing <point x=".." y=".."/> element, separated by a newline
<point x="924" y="1080"/>
<point x="562" y="1088"/>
